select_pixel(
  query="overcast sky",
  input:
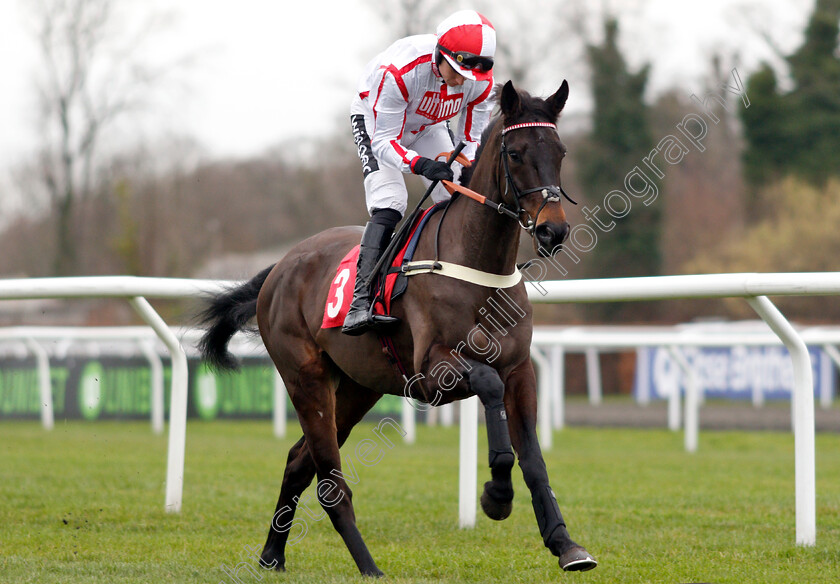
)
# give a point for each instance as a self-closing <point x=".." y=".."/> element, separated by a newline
<point x="270" y="70"/>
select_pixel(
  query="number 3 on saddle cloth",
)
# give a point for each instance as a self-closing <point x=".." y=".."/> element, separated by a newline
<point x="341" y="289"/>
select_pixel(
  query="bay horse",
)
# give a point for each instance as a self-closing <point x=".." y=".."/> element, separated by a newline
<point x="443" y="337"/>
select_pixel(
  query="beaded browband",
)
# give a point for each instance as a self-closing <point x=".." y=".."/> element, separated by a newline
<point x="529" y="125"/>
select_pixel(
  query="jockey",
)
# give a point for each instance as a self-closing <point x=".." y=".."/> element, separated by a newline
<point x="399" y="120"/>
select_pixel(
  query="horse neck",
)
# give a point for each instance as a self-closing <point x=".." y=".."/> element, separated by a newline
<point x="478" y="236"/>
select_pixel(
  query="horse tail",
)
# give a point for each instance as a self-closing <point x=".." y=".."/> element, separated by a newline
<point x="226" y="314"/>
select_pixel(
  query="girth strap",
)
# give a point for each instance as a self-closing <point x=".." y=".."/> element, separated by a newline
<point x="463" y="273"/>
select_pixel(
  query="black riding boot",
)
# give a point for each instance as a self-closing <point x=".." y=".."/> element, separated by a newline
<point x="359" y="318"/>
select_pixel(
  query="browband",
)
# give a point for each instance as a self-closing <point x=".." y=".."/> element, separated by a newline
<point x="529" y="125"/>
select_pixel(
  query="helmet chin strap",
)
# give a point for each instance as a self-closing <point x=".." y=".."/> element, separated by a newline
<point x="437" y="59"/>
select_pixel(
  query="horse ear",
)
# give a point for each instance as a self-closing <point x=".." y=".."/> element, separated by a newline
<point x="558" y="100"/>
<point x="510" y="103"/>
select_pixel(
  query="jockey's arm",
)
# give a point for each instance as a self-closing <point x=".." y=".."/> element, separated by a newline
<point x="389" y="110"/>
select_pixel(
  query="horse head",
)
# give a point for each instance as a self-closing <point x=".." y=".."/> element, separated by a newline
<point x="531" y="158"/>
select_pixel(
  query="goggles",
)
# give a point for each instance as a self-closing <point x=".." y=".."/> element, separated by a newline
<point x="469" y="60"/>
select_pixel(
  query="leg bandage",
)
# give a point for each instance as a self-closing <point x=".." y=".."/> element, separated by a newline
<point x="498" y="436"/>
<point x="547" y="511"/>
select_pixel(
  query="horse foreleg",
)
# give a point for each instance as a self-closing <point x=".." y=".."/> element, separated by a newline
<point x="521" y="405"/>
<point x="483" y="381"/>
<point x="497" y="497"/>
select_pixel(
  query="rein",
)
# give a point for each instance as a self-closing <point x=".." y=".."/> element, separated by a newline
<point x="550" y="193"/>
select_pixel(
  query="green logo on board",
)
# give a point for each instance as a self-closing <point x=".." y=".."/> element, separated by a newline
<point x="90" y="390"/>
<point x="206" y="393"/>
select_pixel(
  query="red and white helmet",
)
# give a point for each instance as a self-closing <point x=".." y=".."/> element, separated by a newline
<point x="467" y="40"/>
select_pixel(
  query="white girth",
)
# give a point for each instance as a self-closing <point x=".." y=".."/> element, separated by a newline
<point x="463" y="273"/>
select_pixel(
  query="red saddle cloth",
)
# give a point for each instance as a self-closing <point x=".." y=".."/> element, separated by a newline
<point x="341" y="289"/>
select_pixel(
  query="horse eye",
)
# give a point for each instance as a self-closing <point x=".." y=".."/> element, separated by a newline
<point x="514" y="155"/>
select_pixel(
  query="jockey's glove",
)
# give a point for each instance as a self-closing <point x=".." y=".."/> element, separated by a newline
<point x="431" y="169"/>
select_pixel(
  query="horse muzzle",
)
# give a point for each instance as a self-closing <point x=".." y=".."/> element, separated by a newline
<point x="549" y="237"/>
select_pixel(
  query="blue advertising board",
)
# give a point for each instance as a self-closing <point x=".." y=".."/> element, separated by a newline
<point x="728" y="372"/>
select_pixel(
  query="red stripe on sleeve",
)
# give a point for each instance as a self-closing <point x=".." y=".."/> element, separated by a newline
<point x="470" y="106"/>
<point x="398" y="75"/>
<point x="401" y="151"/>
<point x="418" y="61"/>
<point x="398" y="79"/>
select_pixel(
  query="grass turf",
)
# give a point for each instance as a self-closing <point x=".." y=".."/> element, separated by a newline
<point x="84" y="503"/>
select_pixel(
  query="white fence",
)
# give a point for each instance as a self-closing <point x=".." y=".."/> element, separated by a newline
<point x="550" y="344"/>
<point x="752" y="287"/>
<point x="136" y="291"/>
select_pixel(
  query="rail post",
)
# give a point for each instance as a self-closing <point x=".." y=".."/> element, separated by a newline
<point x="803" y="419"/>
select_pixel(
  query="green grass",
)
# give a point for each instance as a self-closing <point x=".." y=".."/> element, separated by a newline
<point x="84" y="503"/>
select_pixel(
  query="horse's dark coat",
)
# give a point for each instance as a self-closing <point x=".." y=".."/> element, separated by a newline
<point x="334" y="379"/>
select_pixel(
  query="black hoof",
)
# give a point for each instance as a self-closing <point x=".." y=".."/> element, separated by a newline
<point x="271" y="563"/>
<point x="377" y="573"/>
<point x="577" y="559"/>
<point x="496" y="508"/>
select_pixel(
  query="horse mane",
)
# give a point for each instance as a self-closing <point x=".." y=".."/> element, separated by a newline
<point x="467" y="173"/>
<point x="536" y="109"/>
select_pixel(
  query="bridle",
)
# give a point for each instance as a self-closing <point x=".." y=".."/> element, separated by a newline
<point x="550" y="193"/>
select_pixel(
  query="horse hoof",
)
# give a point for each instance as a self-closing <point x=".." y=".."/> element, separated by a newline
<point x="375" y="573"/>
<point x="495" y="510"/>
<point x="268" y="563"/>
<point x="577" y="559"/>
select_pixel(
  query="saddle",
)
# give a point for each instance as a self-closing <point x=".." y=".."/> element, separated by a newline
<point x="390" y="283"/>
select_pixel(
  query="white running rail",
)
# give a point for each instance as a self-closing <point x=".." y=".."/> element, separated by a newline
<point x="754" y="288"/>
<point x="136" y="290"/>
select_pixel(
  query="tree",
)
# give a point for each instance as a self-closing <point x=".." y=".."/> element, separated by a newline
<point x="619" y="139"/>
<point x="766" y="122"/>
<point x="800" y="236"/>
<point x="537" y="42"/>
<point x="92" y="76"/>
<point x="409" y="17"/>
<point x="798" y="132"/>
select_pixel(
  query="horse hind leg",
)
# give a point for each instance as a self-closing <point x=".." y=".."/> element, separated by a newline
<point x="317" y="413"/>
<point x="300" y="470"/>
<point x="351" y="402"/>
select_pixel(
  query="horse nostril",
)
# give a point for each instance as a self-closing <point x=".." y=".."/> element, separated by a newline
<point x="544" y="234"/>
<point x="549" y="237"/>
<point x="551" y="234"/>
<point x="564" y="231"/>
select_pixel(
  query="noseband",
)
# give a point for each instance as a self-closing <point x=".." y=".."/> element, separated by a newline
<point x="551" y="193"/>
